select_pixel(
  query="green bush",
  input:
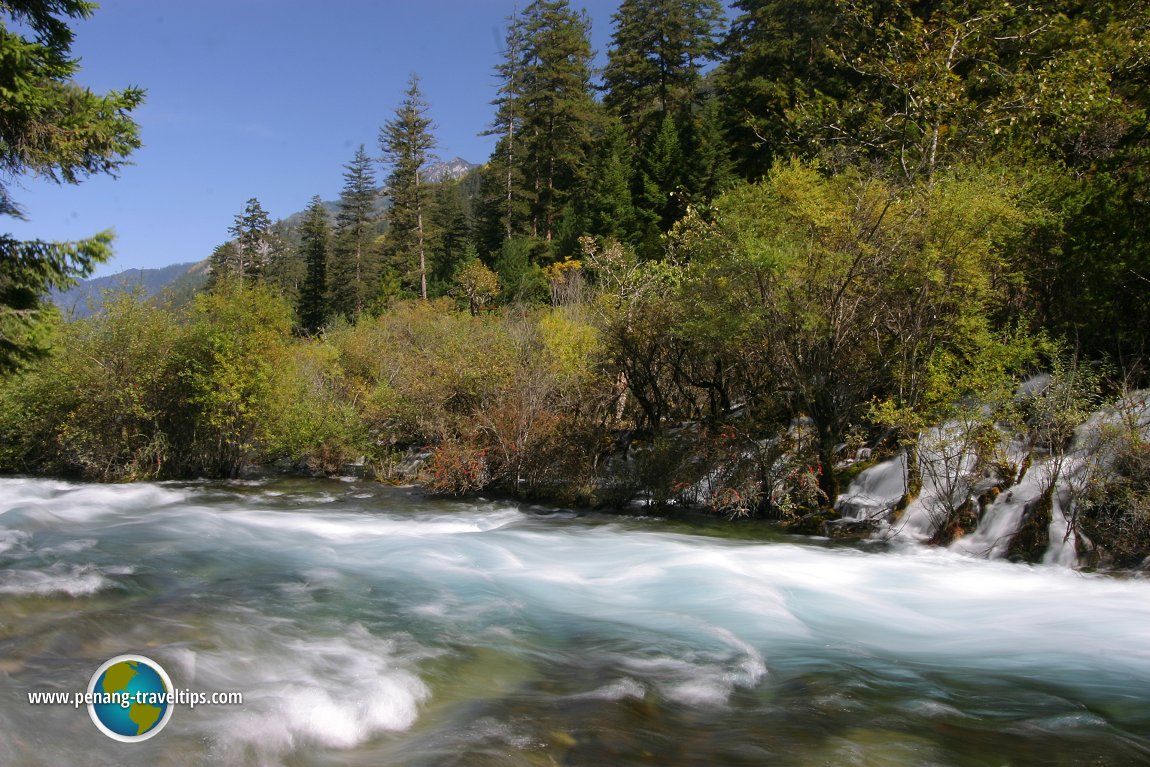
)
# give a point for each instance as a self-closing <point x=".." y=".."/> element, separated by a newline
<point x="102" y="407"/>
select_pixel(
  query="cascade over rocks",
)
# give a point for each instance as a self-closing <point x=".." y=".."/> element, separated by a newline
<point x="1082" y="506"/>
<point x="1030" y="540"/>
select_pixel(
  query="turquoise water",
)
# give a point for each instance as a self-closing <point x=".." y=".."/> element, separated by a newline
<point x="368" y="625"/>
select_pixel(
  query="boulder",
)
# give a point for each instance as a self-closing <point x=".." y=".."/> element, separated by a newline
<point x="851" y="529"/>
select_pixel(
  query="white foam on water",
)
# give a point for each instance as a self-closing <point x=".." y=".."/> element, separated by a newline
<point x="709" y="691"/>
<point x="24" y="501"/>
<point x="1061" y="549"/>
<point x="13" y="490"/>
<point x="69" y="547"/>
<point x="619" y="690"/>
<point x="487" y="729"/>
<point x="347" y="527"/>
<point x="1000" y="521"/>
<point x="692" y="681"/>
<point x="12" y="539"/>
<point x="305" y="692"/>
<point x="692" y="619"/>
<point x="74" y="580"/>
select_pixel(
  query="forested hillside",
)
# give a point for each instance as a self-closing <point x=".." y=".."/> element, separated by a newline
<point x="87" y="297"/>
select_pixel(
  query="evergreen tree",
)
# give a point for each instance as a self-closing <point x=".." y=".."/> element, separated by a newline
<point x="659" y="199"/>
<point x="657" y="52"/>
<point x="604" y="208"/>
<point x="354" y="267"/>
<point x="777" y="53"/>
<point x="246" y="256"/>
<point x="285" y="269"/>
<point x="449" y="238"/>
<point x="558" y="110"/>
<point x="505" y="194"/>
<point x="407" y="141"/>
<point x="707" y="165"/>
<point x="489" y="223"/>
<point x="224" y="263"/>
<point x="315" y="241"/>
<point x="52" y="128"/>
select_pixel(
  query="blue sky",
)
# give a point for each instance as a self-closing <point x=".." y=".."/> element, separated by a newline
<point x="267" y="99"/>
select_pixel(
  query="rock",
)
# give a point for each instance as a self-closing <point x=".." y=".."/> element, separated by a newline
<point x="851" y="529"/>
<point x="1029" y="543"/>
<point x="411" y="466"/>
<point x="987" y="498"/>
<point x="960" y="522"/>
<point x="811" y="524"/>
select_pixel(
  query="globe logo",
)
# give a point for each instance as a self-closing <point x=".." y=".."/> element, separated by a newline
<point x="130" y="698"/>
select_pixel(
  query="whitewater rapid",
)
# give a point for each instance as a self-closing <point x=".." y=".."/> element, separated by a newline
<point x="368" y="625"/>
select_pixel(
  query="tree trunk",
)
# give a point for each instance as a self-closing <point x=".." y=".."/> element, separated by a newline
<point x="828" y="482"/>
<point x="419" y="235"/>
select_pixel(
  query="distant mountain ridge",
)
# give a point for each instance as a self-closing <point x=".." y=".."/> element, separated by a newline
<point x="86" y="298"/>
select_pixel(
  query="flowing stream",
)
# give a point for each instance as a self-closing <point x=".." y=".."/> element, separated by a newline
<point x="369" y="625"/>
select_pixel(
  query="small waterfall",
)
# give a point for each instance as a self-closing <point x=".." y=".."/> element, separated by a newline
<point x="876" y="492"/>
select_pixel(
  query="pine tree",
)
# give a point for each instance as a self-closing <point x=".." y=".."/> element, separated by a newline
<point x="285" y="270"/>
<point x="223" y="264"/>
<point x="449" y="235"/>
<point x="55" y="129"/>
<point x="246" y="256"/>
<point x="604" y="207"/>
<point x="506" y="160"/>
<point x="707" y="165"/>
<point x="659" y="200"/>
<point x="558" y="110"/>
<point x="407" y="141"/>
<point x="657" y="52"/>
<point x="315" y="241"/>
<point x="778" y="53"/>
<point x="354" y="264"/>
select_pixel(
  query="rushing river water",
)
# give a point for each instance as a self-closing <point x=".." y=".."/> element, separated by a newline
<point x="367" y="625"/>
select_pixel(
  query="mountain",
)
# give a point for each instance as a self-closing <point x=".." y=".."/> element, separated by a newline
<point x="85" y="298"/>
<point x="454" y="169"/>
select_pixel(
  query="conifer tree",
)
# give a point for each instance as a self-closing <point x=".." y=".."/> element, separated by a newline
<point x="777" y="53"/>
<point x="657" y="52"/>
<point x="449" y="235"/>
<point x="285" y="269"/>
<point x="246" y="256"/>
<point x="558" y="110"/>
<point x="222" y="264"/>
<point x="315" y="239"/>
<point x="508" y="205"/>
<point x="354" y="265"/>
<point x="707" y="165"/>
<point x="52" y="128"/>
<point x="407" y="141"/>
<point x="659" y="200"/>
<point x="604" y="206"/>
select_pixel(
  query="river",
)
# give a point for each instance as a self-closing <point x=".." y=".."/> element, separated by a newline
<point x="370" y="625"/>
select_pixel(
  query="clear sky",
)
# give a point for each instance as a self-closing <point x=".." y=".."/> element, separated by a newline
<point x="267" y="99"/>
